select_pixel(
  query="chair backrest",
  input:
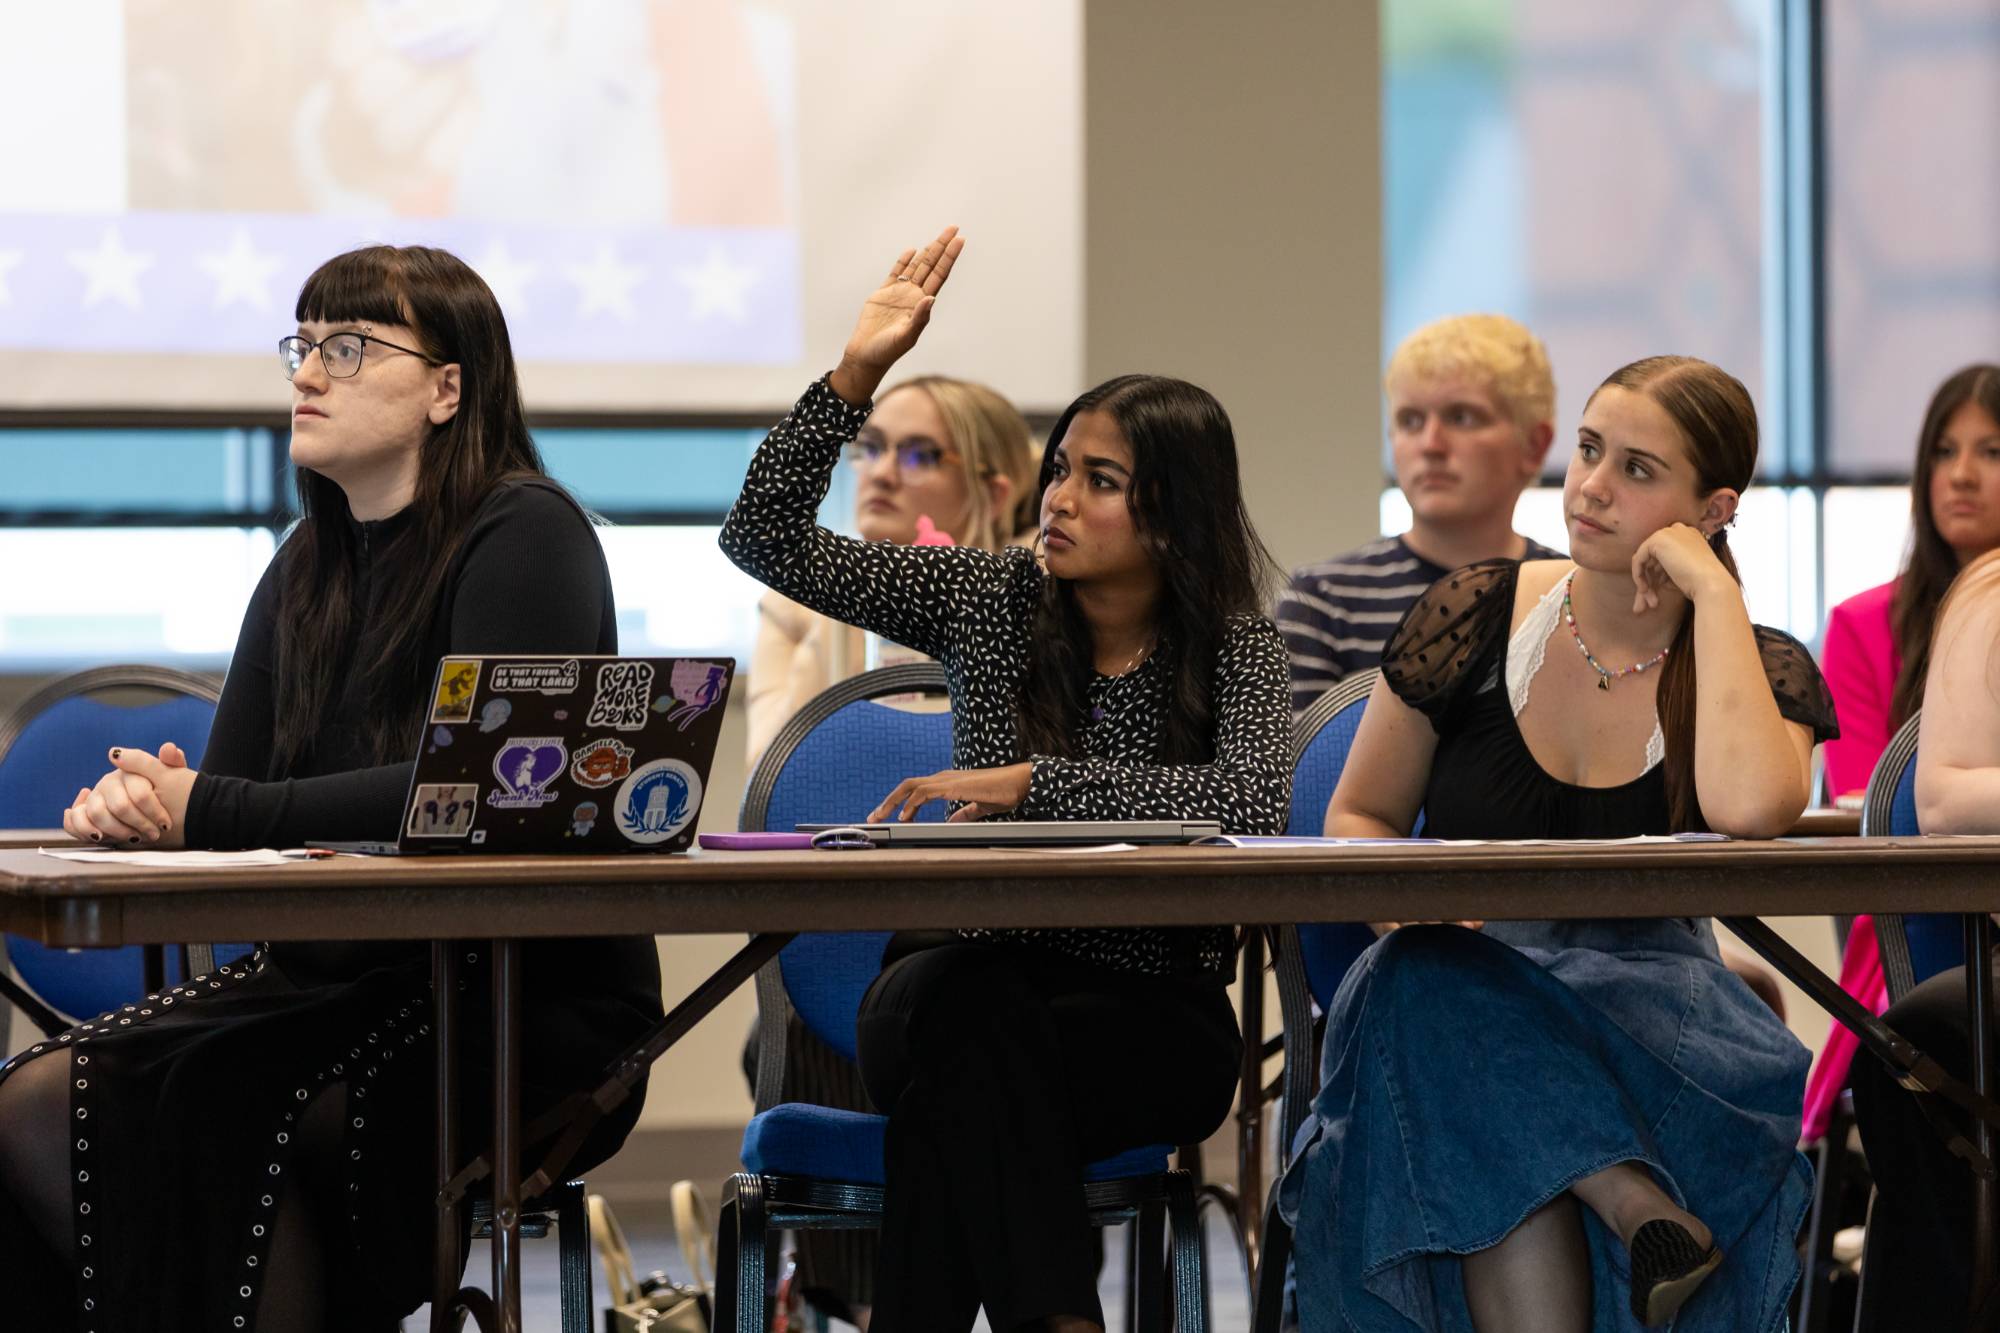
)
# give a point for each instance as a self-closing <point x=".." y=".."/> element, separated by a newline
<point x="1321" y="738"/>
<point x="1311" y="959"/>
<point x="54" y="743"/>
<point x="1915" y="947"/>
<point x="832" y="763"/>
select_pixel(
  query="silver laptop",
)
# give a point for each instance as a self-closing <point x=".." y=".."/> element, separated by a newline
<point x="1026" y="833"/>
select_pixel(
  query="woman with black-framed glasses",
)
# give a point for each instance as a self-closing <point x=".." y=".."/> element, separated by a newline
<point x="254" y="1149"/>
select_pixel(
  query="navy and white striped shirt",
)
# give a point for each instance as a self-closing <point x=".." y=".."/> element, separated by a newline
<point x="1336" y="615"/>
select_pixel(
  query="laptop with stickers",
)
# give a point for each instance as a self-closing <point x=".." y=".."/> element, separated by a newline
<point x="580" y="755"/>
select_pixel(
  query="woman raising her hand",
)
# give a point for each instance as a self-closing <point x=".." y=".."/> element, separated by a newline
<point x="1133" y="678"/>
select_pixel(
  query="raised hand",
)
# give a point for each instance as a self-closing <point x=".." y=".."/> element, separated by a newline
<point x="894" y="316"/>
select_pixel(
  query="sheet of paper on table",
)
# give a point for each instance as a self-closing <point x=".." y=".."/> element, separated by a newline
<point x="263" y="856"/>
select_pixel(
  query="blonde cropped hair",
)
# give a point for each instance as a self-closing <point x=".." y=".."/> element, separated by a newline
<point x="991" y="439"/>
<point x="1493" y="351"/>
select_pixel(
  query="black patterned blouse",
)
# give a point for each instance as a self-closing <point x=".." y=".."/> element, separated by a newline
<point x="972" y="610"/>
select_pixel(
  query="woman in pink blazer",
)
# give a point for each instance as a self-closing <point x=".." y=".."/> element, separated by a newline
<point x="1878" y="649"/>
<point x="1878" y="642"/>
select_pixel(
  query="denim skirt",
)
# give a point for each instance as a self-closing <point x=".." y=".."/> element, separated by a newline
<point x="1469" y="1077"/>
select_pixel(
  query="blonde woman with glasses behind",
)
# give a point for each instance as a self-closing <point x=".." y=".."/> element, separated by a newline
<point x="941" y="457"/>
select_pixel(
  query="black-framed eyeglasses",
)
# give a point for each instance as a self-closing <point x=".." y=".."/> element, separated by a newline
<point x="340" y="353"/>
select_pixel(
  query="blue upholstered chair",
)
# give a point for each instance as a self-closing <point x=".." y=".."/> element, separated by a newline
<point x="1915" y="948"/>
<point x="55" y="743"/>
<point x="812" y="1167"/>
<point x="1309" y="960"/>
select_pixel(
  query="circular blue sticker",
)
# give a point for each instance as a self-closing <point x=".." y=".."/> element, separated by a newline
<point x="657" y="801"/>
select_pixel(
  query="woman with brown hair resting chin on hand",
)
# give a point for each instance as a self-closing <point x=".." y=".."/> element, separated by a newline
<point x="1560" y="1126"/>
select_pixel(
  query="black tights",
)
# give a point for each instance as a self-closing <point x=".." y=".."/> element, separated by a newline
<point x="35" y="1179"/>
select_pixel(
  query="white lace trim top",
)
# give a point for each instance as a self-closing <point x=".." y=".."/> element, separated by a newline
<point x="1526" y="650"/>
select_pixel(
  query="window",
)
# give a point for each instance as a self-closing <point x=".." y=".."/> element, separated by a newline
<point x="146" y="544"/>
<point x="1801" y="193"/>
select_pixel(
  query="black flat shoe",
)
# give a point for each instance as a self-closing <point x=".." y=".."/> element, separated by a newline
<point x="1667" y="1266"/>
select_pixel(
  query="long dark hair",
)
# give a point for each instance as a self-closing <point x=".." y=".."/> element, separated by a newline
<point x="1719" y="422"/>
<point x="1186" y="500"/>
<point x="456" y="320"/>
<point x="1931" y="564"/>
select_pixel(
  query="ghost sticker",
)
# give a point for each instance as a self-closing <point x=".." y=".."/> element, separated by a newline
<point x="696" y="688"/>
<point x="458" y="681"/>
<point x="601" y="763"/>
<point x="526" y="770"/>
<point x="494" y="716"/>
<point x="657" y="801"/>
<point x="583" y="819"/>
<point x="623" y="691"/>
<point x="443" y="810"/>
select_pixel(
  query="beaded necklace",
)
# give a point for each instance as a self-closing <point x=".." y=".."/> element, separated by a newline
<point x="1604" y="675"/>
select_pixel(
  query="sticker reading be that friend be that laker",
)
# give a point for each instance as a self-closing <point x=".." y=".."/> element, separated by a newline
<point x="537" y="677"/>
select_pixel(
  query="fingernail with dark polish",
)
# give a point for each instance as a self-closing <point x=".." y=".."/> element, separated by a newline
<point x="134" y="839"/>
<point x="97" y="837"/>
<point x="114" y="754"/>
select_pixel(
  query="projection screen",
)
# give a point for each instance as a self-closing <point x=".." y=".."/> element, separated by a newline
<point x="680" y="203"/>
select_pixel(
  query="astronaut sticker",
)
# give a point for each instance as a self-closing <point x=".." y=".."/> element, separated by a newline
<point x="697" y="687"/>
<point x="494" y="716"/>
<point x="624" y="689"/>
<point x="444" y="810"/>
<point x="657" y="801"/>
<point x="526" y="769"/>
<point x="458" y="681"/>
<point x="583" y="819"/>
<point x="601" y="763"/>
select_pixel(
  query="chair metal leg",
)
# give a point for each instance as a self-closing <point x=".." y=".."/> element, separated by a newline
<point x="739" y="1256"/>
<point x="1267" y="1298"/>
<point x="46" y="1019"/>
<point x="573" y="1257"/>
<point x="1190" y="1273"/>
<point x="1149" y="1269"/>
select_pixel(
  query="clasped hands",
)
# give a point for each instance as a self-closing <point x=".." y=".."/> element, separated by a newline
<point x="142" y="801"/>
<point x="985" y="791"/>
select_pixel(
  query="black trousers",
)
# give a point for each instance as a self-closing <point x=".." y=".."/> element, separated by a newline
<point x="1004" y="1070"/>
<point x="1920" y="1233"/>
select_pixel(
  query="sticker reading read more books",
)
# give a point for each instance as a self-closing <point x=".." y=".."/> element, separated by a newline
<point x="458" y="681"/>
<point x="541" y="677"/>
<point x="657" y="801"/>
<point x="624" y="689"/>
<point x="443" y="810"/>
<point x="526" y="770"/>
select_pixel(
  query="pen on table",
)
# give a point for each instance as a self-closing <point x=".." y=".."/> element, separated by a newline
<point x="308" y="853"/>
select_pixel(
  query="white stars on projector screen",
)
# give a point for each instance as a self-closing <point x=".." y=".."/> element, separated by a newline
<point x="718" y="287"/>
<point x="241" y="273"/>
<point x="111" y="272"/>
